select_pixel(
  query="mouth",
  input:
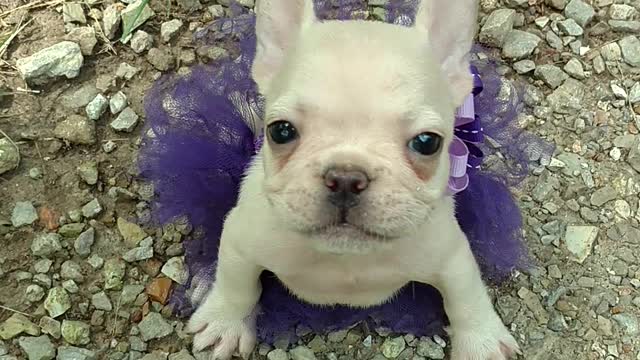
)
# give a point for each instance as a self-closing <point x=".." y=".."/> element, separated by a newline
<point x="348" y="230"/>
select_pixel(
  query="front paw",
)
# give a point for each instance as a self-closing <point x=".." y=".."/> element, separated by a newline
<point x="495" y="343"/>
<point x="226" y="337"/>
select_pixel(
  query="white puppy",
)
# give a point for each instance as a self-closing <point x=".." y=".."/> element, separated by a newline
<point x="347" y="200"/>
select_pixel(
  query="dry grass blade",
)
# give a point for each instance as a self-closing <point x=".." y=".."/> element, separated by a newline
<point x="33" y="5"/>
<point x="5" y="44"/>
<point x="126" y="32"/>
<point x="14" y="310"/>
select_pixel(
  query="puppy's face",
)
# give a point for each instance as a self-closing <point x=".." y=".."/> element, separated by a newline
<point x="358" y="120"/>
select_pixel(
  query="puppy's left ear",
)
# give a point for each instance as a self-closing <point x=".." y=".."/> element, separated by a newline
<point x="450" y="27"/>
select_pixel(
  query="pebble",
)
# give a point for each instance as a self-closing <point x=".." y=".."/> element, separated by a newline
<point x="568" y="97"/>
<point x="76" y="332"/>
<point x="80" y="96"/>
<point x="24" y="213"/>
<point x="574" y="68"/>
<point x="524" y="66"/>
<point x="51" y="326"/>
<point x="62" y="59"/>
<point x="622" y="208"/>
<point x="118" y="102"/>
<point x="34" y="293"/>
<point x="532" y="302"/>
<point x="176" y="270"/>
<point x="46" y="244"/>
<point x="551" y="75"/>
<point x="130" y="293"/>
<point x="113" y="273"/>
<point x="82" y="244"/>
<point x="579" y="241"/>
<point x="182" y="355"/>
<point x="141" y="42"/>
<point x="579" y="11"/>
<point x="88" y="172"/>
<point x="603" y="196"/>
<point x="131" y="233"/>
<point x="18" y="324"/>
<point x="621" y="12"/>
<point x="77" y="130"/>
<point x="138" y="254"/>
<point x="126" y="71"/>
<point x="72" y="12"/>
<point x="633" y="158"/>
<point x="154" y="326"/>
<point x="111" y="20"/>
<point x="392" y="347"/>
<point x="9" y="156"/>
<point x="496" y="27"/>
<point x="85" y="37"/>
<point x="611" y="52"/>
<point x="57" y="302"/>
<point x="169" y="29"/>
<point x="97" y="107"/>
<point x="630" y="48"/>
<point x="133" y="17"/>
<point x="628" y="323"/>
<point x="75" y="353"/>
<point x="159" y="289"/>
<point x="430" y="349"/>
<point x="302" y="353"/>
<point x="95" y="261"/>
<point x="278" y="354"/>
<point x="570" y="27"/>
<point x="38" y="348"/>
<point x="71" y="271"/>
<point x="109" y="146"/>
<point x="43" y="266"/>
<point x="71" y="230"/>
<point x="160" y="59"/>
<point x="519" y="44"/>
<point x="624" y="26"/>
<point x="126" y="121"/>
<point x="92" y="209"/>
<point x="101" y="301"/>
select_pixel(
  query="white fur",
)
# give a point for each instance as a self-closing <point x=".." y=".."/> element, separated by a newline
<point x="357" y="92"/>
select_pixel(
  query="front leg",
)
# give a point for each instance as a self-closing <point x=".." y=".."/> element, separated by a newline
<point x="226" y="318"/>
<point x="476" y="330"/>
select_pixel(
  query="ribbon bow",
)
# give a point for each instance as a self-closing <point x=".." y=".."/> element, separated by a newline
<point x="465" y="156"/>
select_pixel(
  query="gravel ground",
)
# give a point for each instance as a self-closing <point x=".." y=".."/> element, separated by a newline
<point x="80" y="280"/>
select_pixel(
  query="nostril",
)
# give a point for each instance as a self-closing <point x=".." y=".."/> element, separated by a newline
<point x="354" y="182"/>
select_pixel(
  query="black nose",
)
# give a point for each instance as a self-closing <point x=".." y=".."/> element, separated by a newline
<point x="345" y="186"/>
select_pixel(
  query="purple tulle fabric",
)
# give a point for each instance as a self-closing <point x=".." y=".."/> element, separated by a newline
<point x="202" y="132"/>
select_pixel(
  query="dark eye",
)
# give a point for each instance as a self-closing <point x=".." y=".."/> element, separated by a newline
<point x="282" y="132"/>
<point x="426" y="143"/>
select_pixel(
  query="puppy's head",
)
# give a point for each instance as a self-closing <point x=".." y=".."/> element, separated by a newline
<point x="359" y="117"/>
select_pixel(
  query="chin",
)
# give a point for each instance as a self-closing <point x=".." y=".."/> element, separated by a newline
<point x="346" y="239"/>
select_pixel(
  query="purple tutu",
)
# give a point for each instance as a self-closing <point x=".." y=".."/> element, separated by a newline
<point x="204" y="128"/>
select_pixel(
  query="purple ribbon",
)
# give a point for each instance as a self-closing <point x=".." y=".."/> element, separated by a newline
<point x="465" y="156"/>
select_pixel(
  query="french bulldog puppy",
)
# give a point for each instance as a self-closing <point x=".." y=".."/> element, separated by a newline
<point x="347" y="200"/>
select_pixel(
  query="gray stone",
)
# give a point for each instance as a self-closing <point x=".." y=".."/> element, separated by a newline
<point x="169" y="29"/>
<point x="126" y="121"/>
<point x="118" y="102"/>
<point x="557" y="4"/>
<point x="630" y="47"/>
<point x="24" y="213"/>
<point x="190" y="5"/>
<point x="131" y="233"/>
<point x="519" y="44"/>
<point x="95" y="261"/>
<point x="136" y="343"/>
<point x="141" y="42"/>
<point x="579" y="241"/>
<point x="217" y="11"/>
<point x="70" y="286"/>
<point x="277" y="354"/>
<point x="76" y="129"/>
<point x="603" y="196"/>
<point x="43" y="266"/>
<point x="611" y="51"/>
<point x="570" y="27"/>
<point x="579" y="11"/>
<point x="182" y="355"/>
<point x="101" y="301"/>
<point x="51" y="326"/>
<point x="34" y="293"/>
<point x="62" y="59"/>
<point x="57" y="302"/>
<point x="551" y="75"/>
<point x="213" y="53"/>
<point x="524" y="66"/>
<point x="176" y="270"/>
<point x="155" y="355"/>
<point x="75" y="353"/>
<point x="97" y="107"/>
<point x="621" y="12"/>
<point x="429" y="349"/>
<point x="154" y="326"/>
<point x="574" y="68"/>
<point x="9" y="156"/>
<point x="79" y="97"/>
<point x="76" y="332"/>
<point x="554" y="40"/>
<point x="634" y="154"/>
<point x="160" y="59"/>
<point x="113" y="273"/>
<point x="625" y="26"/>
<point x="628" y="323"/>
<point x="132" y="17"/>
<point x="126" y="71"/>
<point x="18" y="324"/>
<point x="46" y="244"/>
<point x="567" y="98"/>
<point x="532" y="302"/>
<point x="72" y="12"/>
<point x="557" y="322"/>
<point x="302" y="353"/>
<point x="88" y="172"/>
<point x="92" y="209"/>
<point x="85" y="37"/>
<point x="392" y="347"/>
<point x="130" y="293"/>
<point x="138" y="254"/>
<point x="84" y="241"/>
<point x="496" y="27"/>
<point x="111" y="20"/>
<point x="71" y="230"/>
<point x="634" y="97"/>
<point x="38" y="348"/>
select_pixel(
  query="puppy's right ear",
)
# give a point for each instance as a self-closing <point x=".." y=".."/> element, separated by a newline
<point x="278" y="26"/>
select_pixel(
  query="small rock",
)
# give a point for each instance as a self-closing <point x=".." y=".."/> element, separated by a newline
<point x="213" y="53"/>
<point x="101" y="301"/>
<point x="76" y="332"/>
<point x="429" y="349"/>
<point x="278" y="354"/>
<point x="92" y="209"/>
<point x="113" y="273"/>
<point x="176" y="269"/>
<point x="154" y="326"/>
<point x="85" y="37"/>
<point x="131" y="233"/>
<point x="111" y="20"/>
<point x="557" y="322"/>
<point x="118" y="102"/>
<point x="574" y="68"/>
<point x="57" y="302"/>
<point x="126" y="121"/>
<point x="46" y="244"/>
<point x="169" y="29"/>
<point x="182" y="355"/>
<point x="141" y="42"/>
<point x="9" y="156"/>
<point x="621" y="12"/>
<point x="302" y="353"/>
<point x="38" y="348"/>
<point x="496" y="27"/>
<point x="97" y="107"/>
<point x="71" y="230"/>
<point x="630" y="48"/>
<point x="159" y="290"/>
<point x="217" y="11"/>
<point x="63" y="59"/>
<point x="624" y="26"/>
<point x="109" y="146"/>
<point x="133" y="17"/>
<point x="18" y="324"/>
<point x="551" y="75"/>
<point x="628" y="323"/>
<point x="618" y="91"/>
<point x="75" y="353"/>
<point x="130" y="293"/>
<point x="79" y="97"/>
<point x="24" y="213"/>
<point x="519" y="44"/>
<point x="95" y="261"/>
<point x="43" y="266"/>
<point x="127" y="72"/>
<point x="611" y="52"/>
<point x="392" y="347"/>
<point x="89" y="172"/>
<point x="568" y="97"/>
<point x="634" y="97"/>
<point x="160" y="59"/>
<point x="603" y="196"/>
<point x="532" y="302"/>
<point x="570" y="27"/>
<point x="634" y="154"/>
<point x="622" y="208"/>
<point x="524" y="66"/>
<point x="72" y="12"/>
<point x="579" y="11"/>
<point x="51" y="326"/>
<point x="579" y="241"/>
<point x="34" y="293"/>
<point x="138" y="254"/>
<point x="76" y="129"/>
